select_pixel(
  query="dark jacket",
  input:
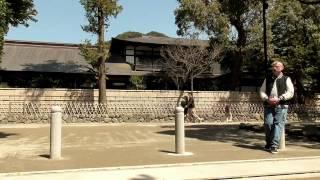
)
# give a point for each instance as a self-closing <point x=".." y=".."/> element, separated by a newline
<point x="281" y="86"/>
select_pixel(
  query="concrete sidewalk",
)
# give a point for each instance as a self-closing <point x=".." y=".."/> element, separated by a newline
<point x="146" y="151"/>
<point x="282" y="168"/>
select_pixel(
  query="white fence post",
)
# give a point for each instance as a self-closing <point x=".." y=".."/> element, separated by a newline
<point x="282" y="143"/>
<point x="179" y="126"/>
<point x="55" y="132"/>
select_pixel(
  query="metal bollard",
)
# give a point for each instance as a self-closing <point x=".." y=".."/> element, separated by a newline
<point x="282" y="143"/>
<point x="55" y="132"/>
<point x="179" y="127"/>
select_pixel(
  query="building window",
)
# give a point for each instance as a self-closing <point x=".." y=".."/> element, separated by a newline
<point x="129" y="53"/>
<point x="130" y="59"/>
<point x="143" y="57"/>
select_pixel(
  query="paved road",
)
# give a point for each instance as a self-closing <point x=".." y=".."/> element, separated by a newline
<point x="26" y="149"/>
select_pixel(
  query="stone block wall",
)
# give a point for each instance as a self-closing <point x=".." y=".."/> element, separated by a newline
<point x="80" y="105"/>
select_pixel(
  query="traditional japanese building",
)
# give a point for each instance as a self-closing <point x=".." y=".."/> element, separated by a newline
<point x="60" y="65"/>
<point x="142" y="55"/>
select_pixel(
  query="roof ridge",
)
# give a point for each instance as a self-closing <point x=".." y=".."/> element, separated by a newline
<point x="41" y="43"/>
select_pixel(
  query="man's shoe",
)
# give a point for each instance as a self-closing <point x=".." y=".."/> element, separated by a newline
<point x="267" y="147"/>
<point x="273" y="150"/>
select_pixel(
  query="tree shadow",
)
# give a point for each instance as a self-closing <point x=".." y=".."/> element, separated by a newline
<point x="221" y="133"/>
<point x="5" y="135"/>
<point x="144" y="177"/>
<point x="304" y="135"/>
<point x="62" y="71"/>
<point x="82" y="95"/>
<point x="254" y="146"/>
<point x="56" y="66"/>
<point x="246" y="138"/>
<point x="303" y="142"/>
<point x="57" y="73"/>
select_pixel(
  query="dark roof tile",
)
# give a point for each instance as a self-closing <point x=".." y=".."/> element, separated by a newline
<point x="42" y="57"/>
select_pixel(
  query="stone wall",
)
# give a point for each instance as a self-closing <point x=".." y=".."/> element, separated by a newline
<point x="80" y="105"/>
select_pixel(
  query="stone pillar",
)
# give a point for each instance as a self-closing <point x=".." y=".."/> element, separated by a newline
<point x="55" y="132"/>
<point x="179" y="127"/>
<point x="282" y="143"/>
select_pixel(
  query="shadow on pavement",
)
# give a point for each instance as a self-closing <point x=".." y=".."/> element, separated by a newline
<point x="303" y="142"/>
<point x="144" y="177"/>
<point x="5" y="135"/>
<point x="166" y="151"/>
<point x="222" y="133"/>
<point x="47" y="156"/>
<point x="250" y="146"/>
<point x="246" y="138"/>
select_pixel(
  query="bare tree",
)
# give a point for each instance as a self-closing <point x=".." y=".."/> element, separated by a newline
<point x="188" y="59"/>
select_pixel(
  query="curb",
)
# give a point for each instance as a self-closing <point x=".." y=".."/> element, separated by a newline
<point x="181" y="165"/>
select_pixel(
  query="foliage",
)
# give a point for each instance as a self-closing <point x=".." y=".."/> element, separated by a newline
<point x="98" y="13"/>
<point x="292" y="30"/>
<point x="3" y="24"/>
<point x="90" y="53"/>
<point x="13" y="13"/>
<point x="232" y="23"/>
<point x="96" y="9"/>
<point x="133" y="34"/>
<point x="137" y="82"/>
<point x="218" y="18"/>
<point x="296" y="39"/>
<point x="129" y="34"/>
<point x="156" y="34"/>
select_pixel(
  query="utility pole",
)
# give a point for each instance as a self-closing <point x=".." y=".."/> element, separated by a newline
<point x="265" y="45"/>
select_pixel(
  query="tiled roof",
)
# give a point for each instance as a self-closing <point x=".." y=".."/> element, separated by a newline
<point x="42" y="57"/>
<point x="53" y="57"/>
<point x="165" y="41"/>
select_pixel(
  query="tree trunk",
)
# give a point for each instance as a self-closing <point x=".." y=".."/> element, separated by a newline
<point x="298" y="83"/>
<point x="191" y="84"/>
<point x="102" y="57"/>
<point x="236" y="70"/>
<point x="238" y="58"/>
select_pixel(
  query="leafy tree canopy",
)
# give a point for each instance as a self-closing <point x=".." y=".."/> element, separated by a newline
<point x="296" y="40"/>
<point x="156" y="34"/>
<point x="137" y="82"/>
<point x="133" y="34"/>
<point x="13" y="13"/>
<point x="96" y="9"/>
<point x="232" y="23"/>
<point x="224" y="20"/>
<point x="98" y="13"/>
<point x="129" y="34"/>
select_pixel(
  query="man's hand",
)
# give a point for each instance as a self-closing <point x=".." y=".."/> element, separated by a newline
<point x="273" y="101"/>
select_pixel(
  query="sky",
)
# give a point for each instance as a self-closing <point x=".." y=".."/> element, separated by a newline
<point x="61" y="20"/>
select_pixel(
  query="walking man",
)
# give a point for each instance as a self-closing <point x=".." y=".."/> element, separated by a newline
<point x="189" y="111"/>
<point x="275" y="91"/>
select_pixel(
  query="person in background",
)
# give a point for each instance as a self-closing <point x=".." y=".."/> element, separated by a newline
<point x="184" y="104"/>
<point x="276" y="91"/>
<point x="190" y="106"/>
